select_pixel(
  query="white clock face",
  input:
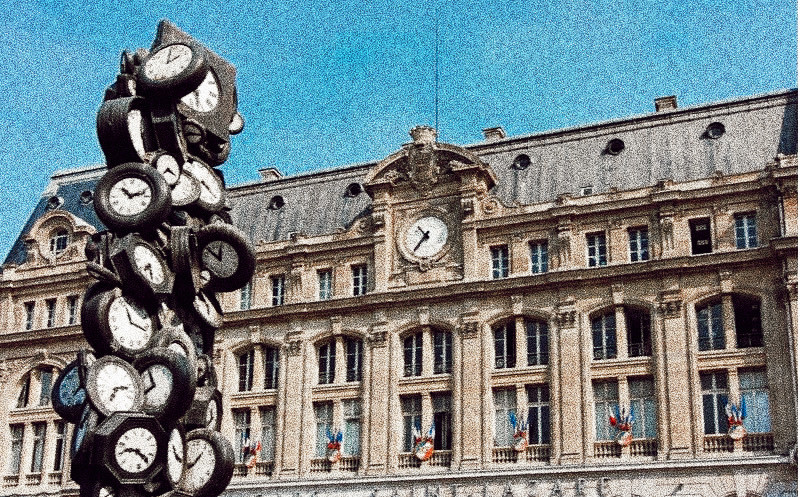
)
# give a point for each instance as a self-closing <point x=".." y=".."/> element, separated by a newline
<point x="70" y="391"/>
<point x="200" y="463"/>
<point x="426" y="236"/>
<point x="168" y="62"/>
<point x="157" y="385"/>
<point x="136" y="450"/>
<point x="169" y="168"/>
<point x="135" y="130"/>
<point x="205" y="97"/>
<point x="175" y="455"/>
<point x="130" y="196"/>
<point x="185" y="190"/>
<point x="210" y="186"/>
<point x="149" y="264"/>
<point x="116" y="388"/>
<point x="130" y="325"/>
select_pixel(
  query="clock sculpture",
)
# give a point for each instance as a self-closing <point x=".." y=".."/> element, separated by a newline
<point x="144" y="399"/>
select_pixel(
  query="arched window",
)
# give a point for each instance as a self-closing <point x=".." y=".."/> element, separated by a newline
<point x="747" y="316"/>
<point x="354" y="348"/>
<point x="505" y="345"/>
<point x="327" y="362"/>
<point x="271" y="365"/>
<point x="637" y="323"/>
<point x="442" y="352"/>
<point x="246" y="362"/>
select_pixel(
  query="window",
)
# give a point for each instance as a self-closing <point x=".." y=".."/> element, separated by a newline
<point x="46" y="384"/>
<point x="505" y="346"/>
<point x="246" y="296"/>
<point x="51" y="312"/>
<point x="241" y="423"/>
<point x="24" y="392"/>
<point x="710" y="335"/>
<point x="606" y="401"/>
<point x="323" y="413"/>
<point x="325" y="277"/>
<point x="39" y="431"/>
<point x="359" y="280"/>
<point x="351" y="435"/>
<point x="327" y="362"/>
<point x="411" y="407"/>
<point x="412" y="355"/>
<point x="536" y="332"/>
<point x="442" y="352"/>
<point x="271" y="366"/>
<point x="701" y="235"/>
<point x="355" y="356"/>
<point x="587" y="190"/>
<point x="639" y="244"/>
<point x="442" y="418"/>
<point x="643" y="404"/>
<point x="14" y="461"/>
<point x="638" y="324"/>
<point x="538" y="257"/>
<point x="745" y="228"/>
<point x="538" y="414"/>
<point x="715" y="397"/>
<point x="505" y="402"/>
<point x="72" y="309"/>
<point x="59" y="241"/>
<point x="267" y="433"/>
<point x="499" y="261"/>
<point x="278" y="289"/>
<point x="246" y="371"/>
<point x="755" y="395"/>
<point x="58" y="459"/>
<point x="604" y="336"/>
<point x="596" y="245"/>
<point x="30" y="307"/>
<point x="747" y="316"/>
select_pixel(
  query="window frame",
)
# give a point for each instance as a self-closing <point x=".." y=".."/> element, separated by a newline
<point x="596" y="249"/>
<point x="604" y="336"/>
<point x="413" y="355"/>
<point x="639" y="244"/>
<point x="272" y="358"/>
<point x="714" y="398"/>
<point x="360" y="274"/>
<point x="539" y="415"/>
<point x="411" y="414"/>
<point x="505" y="345"/>
<point x="644" y="407"/>
<point x="325" y="284"/>
<point x="246" y="361"/>
<point x="354" y="355"/>
<point x="698" y="241"/>
<point x="645" y="345"/>
<point x="442" y="403"/>
<point x="745" y="230"/>
<point x="30" y="314"/>
<point x="539" y="257"/>
<point x="536" y="340"/>
<point x="50" y="308"/>
<point x="605" y="399"/>
<point x="242" y="425"/>
<point x="326" y="359"/>
<point x="59" y="241"/>
<point x="504" y="402"/>
<point x="73" y="309"/>
<point x="499" y="257"/>
<point x="246" y="296"/>
<point x="714" y="326"/>
<point x="278" y="285"/>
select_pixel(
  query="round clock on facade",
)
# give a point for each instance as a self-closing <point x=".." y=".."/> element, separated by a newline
<point x="130" y="447"/>
<point x="212" y="189"/>
<point x="173" y="70"/>
<point x="114" y="385"/>
<point x="142" y="267"/>
<point x="426" y="237"/>
<point x="117" y="324"/>
<point x="132" y="196"/>
<point x="168" y="382"/>
<point x="123" y="130"/>
<point x="209" y="463"/>
<point x="68" y="394"/>
<point x="227" y="255"/>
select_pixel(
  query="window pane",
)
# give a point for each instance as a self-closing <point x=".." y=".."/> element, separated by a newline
<point x="58" y="459"/>
<point x="442" y="420"/>
<point x="246" y="371"/>
<point x="323" y="413"/>
<point x="352" y="427"/>
<point x="267" y="433"/>
<point x="505" y="402"/>
<point x="14" y="461"/>
<point x="271" y="365"/>
<point x="755" y="397"/>
<point x="411" y="407"/>
<point x="241" y="422"/>
<point x="354" y="358"/>
<point x="39" y="430"/>
<point x="327" y="363"/>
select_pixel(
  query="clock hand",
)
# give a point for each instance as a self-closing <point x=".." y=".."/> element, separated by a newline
<point x="115" y="390"/>
<point x="425" y="236"/>
<point x="149" y="268"/>
<point x="169" y="55"/>
<point x="176" y="454"/>
<point x="136" y="451"/>
<point x="191" y="464"/>
<point x="132" y="319"/>
<point x="217" y="255"/>
<point x="152" y="381"/>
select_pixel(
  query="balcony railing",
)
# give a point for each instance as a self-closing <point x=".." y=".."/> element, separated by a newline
<point x="537" y="453"/>
<point x="504" y="455"/>
<point x="264" y="468"/>
<point x="320" y="465"/>
<point x="55" y="478"/>
<point x="407" y="460"/>
<point x="758" y="442"/>
<point x="607" y="450"/>
<point x="11" y="480"/>
<point x="239" y="470"/>
<point x="647" y="447"/>
<point x="441" y="458"/>
<point x="349" y="463"/>
<point x="33" y="479"/>
<point x="717" y="443"/>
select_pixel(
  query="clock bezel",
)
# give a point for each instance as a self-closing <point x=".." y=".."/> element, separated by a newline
<point x="151" y="216"/>
<point x="92" y="378"/>
<point x="405" y="225"/>
<point x="184" y="382"/>
<point x="178" y="84"/>
<point x="223" y="462"/>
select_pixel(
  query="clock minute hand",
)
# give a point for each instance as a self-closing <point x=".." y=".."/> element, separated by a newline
<point x="425" y="236"/>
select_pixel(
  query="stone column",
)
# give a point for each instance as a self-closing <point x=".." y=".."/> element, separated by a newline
<point x="520" y="264"/>
<point x="382" y="250"/>
<point x="291" y="410"/>
<point x="677" y="373"/>
<point x="458" y="392"/>
<point x="427" y="353"/>
<point x="378" y="394"/>
<point x="570" y="384"/>
<point x="728" y="322"/>
<point x="556" y="422"/>
<point x="471" y="431"/>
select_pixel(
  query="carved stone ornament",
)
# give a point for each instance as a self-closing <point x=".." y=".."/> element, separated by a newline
<point x="423" y="170"/>
<point x="469" y="329"/>
<point x="490" y="205"/>
<point x="294" y="347"/>
<point x="467" y="206"/>
<point x="670" y="305"/>
<point x="377" y="339"/>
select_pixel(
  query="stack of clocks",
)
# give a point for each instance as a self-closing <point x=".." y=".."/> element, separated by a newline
<point x="144" y="399"/>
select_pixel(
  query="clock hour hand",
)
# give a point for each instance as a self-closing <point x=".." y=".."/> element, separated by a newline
<point x="191" y="464"/>
<point x="115" y="390"/>
<point x="177" y="455"/>
<point x="136" y="451"/>
<point x="152" y="381"/>
<point x="134" y="321"/>
<point x="425" y="236"/>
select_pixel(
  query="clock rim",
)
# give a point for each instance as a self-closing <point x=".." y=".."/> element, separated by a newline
<point x="148" y="219"/>
<point x="405" y="226"/>
<point x="181" y="83"/>
<point x="93" y="396"/>
<point x="184" y="381"/>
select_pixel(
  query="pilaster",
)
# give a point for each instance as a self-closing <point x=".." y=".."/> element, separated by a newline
<point x="676" y="370"/>
<point x="570" y="384"/>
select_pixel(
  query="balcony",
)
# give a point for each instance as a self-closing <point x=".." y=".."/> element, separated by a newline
<point x="717" y="444"/>
<point x="11" y="480"/>
<point x="504" y="455"/>
<point x="537" y="453"/>
<point x="407" y="460"/>
<point x="55" y="478"/>
<point x="644" y="447"/>
<point x="33" y="479"/>
<point x="264" y="468"/>
<point x="239" y="470"/>
<point x="758" y="442"/>
<point x="440" y="458"/>
<point x="607" y="450"/>
<point x="349" y="463"/>
<point x="320" y="465"/>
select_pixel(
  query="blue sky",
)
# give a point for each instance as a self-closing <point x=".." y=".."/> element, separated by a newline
<point x="324" y="84"/>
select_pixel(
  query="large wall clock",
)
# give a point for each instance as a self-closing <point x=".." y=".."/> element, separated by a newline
<point x="424" y="238"/>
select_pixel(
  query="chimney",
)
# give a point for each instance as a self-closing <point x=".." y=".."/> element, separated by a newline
<point x="423" y="134"/>
<point x="269" y="174"/>
<point x="494" y="134"/>
<point x="666" y="103"/>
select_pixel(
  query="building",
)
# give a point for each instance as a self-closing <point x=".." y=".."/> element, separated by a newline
<point x="648" y="262"/>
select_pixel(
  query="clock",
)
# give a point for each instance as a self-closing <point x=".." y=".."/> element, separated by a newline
<point x="173" y="69"/>
<point x="117" y="324"/>
<point x="114" y="385"/>
<point x="227" y="255"/>
<point x="212" y="189"/>
<point x="176" y="455"/>
<point x="176" y="339"/>
<point x="142" y="267"/>
<point x="132" y="196"/>
<point x="425" y="238"/>
<point x="205" y="97"/>
<point x="168" y="382"/>
<point x="209" y="463"/>
<point x="206" y="409"/>
<point x="185" y="191"/>
<point x="68" y="395"/>
<point x="208" y="309"/>
<point x="130" y="448"/>
<point x="167" y="164"/>
<point x="123" y="130"/>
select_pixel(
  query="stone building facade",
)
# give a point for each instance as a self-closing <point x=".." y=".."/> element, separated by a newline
<point x="647" y="263"/>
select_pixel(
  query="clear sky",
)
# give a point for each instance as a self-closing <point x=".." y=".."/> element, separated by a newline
<point x="324" y="84"/>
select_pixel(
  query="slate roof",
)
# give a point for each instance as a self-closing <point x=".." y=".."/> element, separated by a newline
<point x="664" y="145"/>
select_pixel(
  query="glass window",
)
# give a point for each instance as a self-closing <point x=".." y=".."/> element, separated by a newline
<point x="58" y="459"/>
<point x="355" y="357"/>
<point x="639" y="244"/>
<point x="747" y="315"/>
<point x="643" y="404"/>
<point x="351" y="435"/>
<point x="715" y="397"/>
<point x="701" y="235"/>
<point x="505" y="402"/>
<point x="596" y="246"/>
<point x="278" y="288"/>
<point x="745" y="227"/>
<point x="499" y="261"/>
<point x="638" y="325"/>
<point x="604" y="336"/>
<point x="241" y="423"/>
<point x="442" y="352"/>
<point x="59" y="241"/>
<point x="442" y="418"/>
<point x="24" y="392"/>
<point x="412" y="355"/>
<point x="327" y="363"/>
<point x="606" y="402"/>
<point x="271" y="366"/>
<point x="710" y="335"/>
<point x="505" y="346"/>
<point x="30" y="308"/>
<point x="72" y="309"/>
<point x="246" y="371"/>
<point x="537" y="342"/>
<point x="323" y="413"/>
<point x="15" y="459"/>
<point x="50" y="304"/>
<point x="755" y="396"/>
<point x="538" y="257"/>
<point x="359" y="279"/>
<point x="538" y="414"/>
<point x="267" y="433"/>
<point x="39" y="431"/>
<point x="411" y="407"/>
<point x="246" y="296"/>
<point x="46" y="384"/>
<point x="325" y="277"/>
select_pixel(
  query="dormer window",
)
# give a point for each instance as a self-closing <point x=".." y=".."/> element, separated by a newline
<point x="587" y="190"/>
<point x="59" y="240"/>
<point x="615" y="146"/>
<point x="715" y="130"/>
<point x="353" y="190"/>
<point x="521" y="162"/>
<point x="276" y="203"/>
